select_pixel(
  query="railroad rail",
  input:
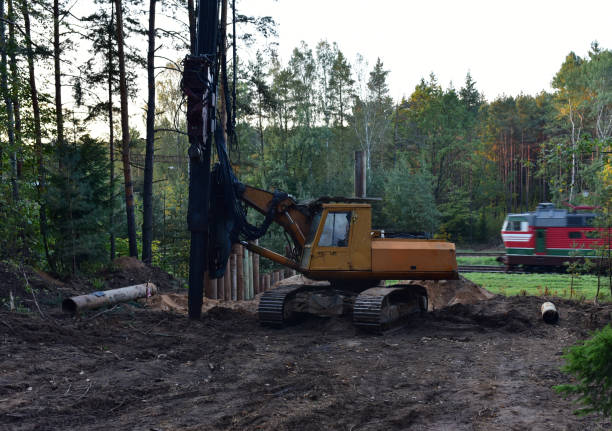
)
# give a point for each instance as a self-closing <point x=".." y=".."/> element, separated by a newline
<point x="480" y="253"/>
<point x="488" y="268"/>
<point x="481" y="268"/>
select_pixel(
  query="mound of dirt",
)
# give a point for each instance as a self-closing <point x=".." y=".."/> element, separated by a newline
<point x="127" y="271"/>
<point x="445" y="293"/>
<point x="178" y="303"/>
<point x="489" y="314"/>
<point x="21" y="287"/>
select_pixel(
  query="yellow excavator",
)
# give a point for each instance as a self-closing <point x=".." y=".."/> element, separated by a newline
<point x="333" y="241"/>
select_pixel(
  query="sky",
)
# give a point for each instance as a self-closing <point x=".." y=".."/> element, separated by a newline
<point x="509" y="47"/>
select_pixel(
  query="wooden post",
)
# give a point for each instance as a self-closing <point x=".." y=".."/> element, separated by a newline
<point x="275" y="278"/>
<point x="213" y="288"/>
<point x="245" y="268"/>
<point x="240" y="274"/>
<point x="208" y="286"/>
<point x="266" y="281"/>
<point x="227" y="282"/>
<point x="360" y="175"/>
<point x="234" y="280"/>
<point x="251" y="275"/>
<point x="256" y="284"/>
<point x="220" y="287"/>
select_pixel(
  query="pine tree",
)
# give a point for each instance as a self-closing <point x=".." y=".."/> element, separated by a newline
<point x="78" y="207"/>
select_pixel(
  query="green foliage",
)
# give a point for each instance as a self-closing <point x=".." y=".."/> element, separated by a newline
<point x="409" y="204"/>
<point x="77" y="202"/>
<point x="590" y="362"/>
<point x="557" y="285"/>
<point x="444" y="160"/>
<point x="19" y="230"/>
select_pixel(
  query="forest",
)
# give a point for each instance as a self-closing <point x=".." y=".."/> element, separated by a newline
<point x="94" y="165"/>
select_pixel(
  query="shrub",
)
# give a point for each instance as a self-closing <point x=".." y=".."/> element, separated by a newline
<point x="591" y="363"/>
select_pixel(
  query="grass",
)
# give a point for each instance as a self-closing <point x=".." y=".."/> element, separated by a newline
<point x="477" y="260"/>
<point x="585" y="286"/>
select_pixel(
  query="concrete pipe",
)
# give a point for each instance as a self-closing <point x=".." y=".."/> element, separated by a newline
<point x="549" y="313"/>
<point x="108" y="297"/>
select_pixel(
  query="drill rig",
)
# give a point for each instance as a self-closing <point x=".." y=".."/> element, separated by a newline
<point x="332" y="238"/>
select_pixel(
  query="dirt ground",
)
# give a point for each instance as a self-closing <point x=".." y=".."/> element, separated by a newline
<point x="483" y="366"/>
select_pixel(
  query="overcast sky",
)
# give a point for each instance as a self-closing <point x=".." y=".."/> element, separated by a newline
<point x="509" y="47"/>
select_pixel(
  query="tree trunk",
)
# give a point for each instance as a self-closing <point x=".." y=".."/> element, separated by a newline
<point x="9" y="105"/>
<point x="223" y="96"/>
<point x="192" y="26"/>
<point x="111" y="139"/>
<point x="38" y="146"/>
<point x="125" y="137"/>
<point x="59" y="116"/>
<point x="147" y="201"/>
<point x="17" y="154"/>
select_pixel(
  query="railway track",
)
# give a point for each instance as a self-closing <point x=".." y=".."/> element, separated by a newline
<point x="488" y="268"/>
<point x="479" y="253"/>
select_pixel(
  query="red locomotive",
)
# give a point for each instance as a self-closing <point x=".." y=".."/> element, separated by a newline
<point x="550" y="236"/>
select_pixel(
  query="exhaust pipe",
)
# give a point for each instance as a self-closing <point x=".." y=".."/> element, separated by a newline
<point x="107" y="297"/>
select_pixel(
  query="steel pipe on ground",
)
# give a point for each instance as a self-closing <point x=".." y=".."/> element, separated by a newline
<point x="549" y="313"/>
<point x="108" y="297"/>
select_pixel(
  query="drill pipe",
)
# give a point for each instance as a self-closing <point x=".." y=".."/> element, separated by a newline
<point x="108" y="297"/>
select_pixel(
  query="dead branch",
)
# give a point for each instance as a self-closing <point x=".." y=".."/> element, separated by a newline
<point x="171" y="130"/>
<point x="7" y="325"/>
<point x="42" y="315"/>
<point x="108" y="310"/>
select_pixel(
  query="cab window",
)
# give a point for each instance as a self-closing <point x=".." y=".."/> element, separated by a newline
<point x="516" y="226"/>
<point x="336" y="230"/>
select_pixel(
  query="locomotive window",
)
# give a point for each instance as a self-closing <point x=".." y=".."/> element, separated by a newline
<point x="516" y="226"/>
<point x="575" y="235"/>
<point x="336" y="230"/>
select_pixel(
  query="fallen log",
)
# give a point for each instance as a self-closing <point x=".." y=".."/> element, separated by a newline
<point x="107" y="297"/>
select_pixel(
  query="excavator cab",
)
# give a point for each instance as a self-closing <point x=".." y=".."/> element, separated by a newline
<point x="340" y="239"/>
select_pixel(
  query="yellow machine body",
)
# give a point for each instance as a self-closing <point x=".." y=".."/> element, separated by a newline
<point x="344" y="247"/>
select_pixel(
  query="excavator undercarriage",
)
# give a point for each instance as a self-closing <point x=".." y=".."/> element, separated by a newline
<point x="377" y="309"/>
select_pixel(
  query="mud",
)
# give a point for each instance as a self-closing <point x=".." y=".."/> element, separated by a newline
<point x="488" y="365"/>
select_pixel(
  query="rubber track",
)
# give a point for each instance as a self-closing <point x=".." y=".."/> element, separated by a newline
<point x="271" y="310"/>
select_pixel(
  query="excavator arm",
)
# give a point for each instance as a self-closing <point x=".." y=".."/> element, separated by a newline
<point x="286" y="214"/>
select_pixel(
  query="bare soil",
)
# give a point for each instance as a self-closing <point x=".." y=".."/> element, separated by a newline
<point x="483" y="366"/>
